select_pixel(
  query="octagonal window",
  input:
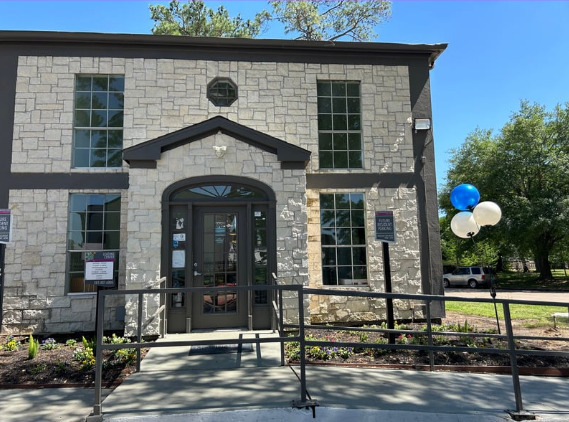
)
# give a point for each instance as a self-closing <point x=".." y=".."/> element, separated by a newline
<point x="222" y="92"/>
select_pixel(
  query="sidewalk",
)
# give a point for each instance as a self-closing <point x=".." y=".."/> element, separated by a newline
<point x="253" y="386"/>
<point x="174" y="386"/>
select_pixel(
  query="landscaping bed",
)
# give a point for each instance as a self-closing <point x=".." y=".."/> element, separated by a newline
<point x="362" y="356"/>
<point x="61" y="361"/>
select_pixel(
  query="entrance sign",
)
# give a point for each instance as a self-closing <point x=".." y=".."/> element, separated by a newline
<point x="99" y="268"/>
<point x="385" y="226"/>
<point x="5" y="226"/>
<point x="385" y="232"/>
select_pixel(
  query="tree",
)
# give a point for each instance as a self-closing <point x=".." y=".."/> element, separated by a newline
<point x="331" y="20"/>
<point x="525" y="169"/>
<point x="196" y="20"/>
<point x="312" y="20"/>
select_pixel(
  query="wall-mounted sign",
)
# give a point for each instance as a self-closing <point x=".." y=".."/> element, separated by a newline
<point x="5" y="226"/>
<point x="385" y="226"/>
<point x="100" y="269"/>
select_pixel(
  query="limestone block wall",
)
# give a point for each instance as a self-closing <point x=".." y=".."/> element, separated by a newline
<point x="144" y="228"/>
<point x="404" y="259"/>
<point x="165" y="95"/>
<point x="35" y="290"/>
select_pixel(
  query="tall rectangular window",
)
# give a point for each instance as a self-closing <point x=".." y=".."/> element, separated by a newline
<point x="339" y="125"/>
<point x="342" y="229"/>
<point x="93" y="226"/>
<point x="98" y="121"/>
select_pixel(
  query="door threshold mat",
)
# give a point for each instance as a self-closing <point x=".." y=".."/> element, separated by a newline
<point x="214" y="349"/>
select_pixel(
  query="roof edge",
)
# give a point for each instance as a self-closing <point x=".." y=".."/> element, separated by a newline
<point x="46" y="37"/>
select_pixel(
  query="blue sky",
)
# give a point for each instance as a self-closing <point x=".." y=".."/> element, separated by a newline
<point x="499" y="53"/>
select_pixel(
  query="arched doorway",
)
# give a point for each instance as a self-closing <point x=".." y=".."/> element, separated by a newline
<point x="218" y="231"/>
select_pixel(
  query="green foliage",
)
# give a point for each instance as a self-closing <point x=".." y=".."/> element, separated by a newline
<point x="71" y="342"/>
<point x="89" y="344"/>
<point x="11" y="344"/>
<point x="85" y="357"/>
<point x="38" y="369"/>
<point x="50" y="344"/>
<point x="292" y="350"/>
<point x="525" y="169"/>
<point x="126" y="355"/>
<point x="309" y="20"/>
<point x="331" y="20"/>
<point x="195" y="19"/>
<point x="33" y="347"/>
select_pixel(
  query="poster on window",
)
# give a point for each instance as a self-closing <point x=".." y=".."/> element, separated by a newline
<point x="178" y="259"/>
<point x="100" y="269"/>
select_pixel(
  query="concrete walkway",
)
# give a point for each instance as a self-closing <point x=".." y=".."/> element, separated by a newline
<point x="253" y="386"/>
<point x="174" y="386"/>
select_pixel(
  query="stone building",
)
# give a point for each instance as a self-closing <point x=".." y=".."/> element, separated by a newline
<point x="212" y="162"/>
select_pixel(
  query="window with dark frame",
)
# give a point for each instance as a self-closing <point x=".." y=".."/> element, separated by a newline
<point x="343" y="241"/>
<point x="98" y="121"/>
<point x="93" y="226"/>
<point x="339" y="125"/>
<point x="222" y="92"/>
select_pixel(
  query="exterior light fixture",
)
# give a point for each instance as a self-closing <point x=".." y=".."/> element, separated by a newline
<point x="422" y="124"/>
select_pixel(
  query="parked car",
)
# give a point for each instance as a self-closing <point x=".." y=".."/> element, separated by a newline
<point x="467" y="276"/>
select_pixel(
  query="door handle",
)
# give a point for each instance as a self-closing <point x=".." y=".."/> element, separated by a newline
<point x="196" y="272"/>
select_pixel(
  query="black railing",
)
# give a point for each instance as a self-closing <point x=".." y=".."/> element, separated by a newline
<point x="295" y="332"/>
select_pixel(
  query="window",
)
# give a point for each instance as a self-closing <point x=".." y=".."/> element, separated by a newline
<point x="222" y="92"/>
<point x="94" y="226"/>
<point x="98" y="121"/>
<point x="342" y="229"/>
<point x="339" y="125"/>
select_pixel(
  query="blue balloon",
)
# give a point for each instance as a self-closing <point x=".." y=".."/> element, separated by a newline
<point x="464" y="197"/>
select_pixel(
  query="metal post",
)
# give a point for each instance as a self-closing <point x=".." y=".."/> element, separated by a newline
<point x="281" y="324"/>
<point x="97" y="407"/>
<point x="302" y="346"/>
<point x="389" y="304"/>
<point x="139" y="331"/>
<point x="513" y="357"/>
<point x="2" y="265"/>
<point x="430" y="337"/>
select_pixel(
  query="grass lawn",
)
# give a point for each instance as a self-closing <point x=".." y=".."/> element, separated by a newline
<point x="530" y="281"/>
<point x="533" y="315"/>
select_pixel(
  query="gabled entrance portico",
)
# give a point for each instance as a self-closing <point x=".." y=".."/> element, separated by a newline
<point x="220" y="225"/>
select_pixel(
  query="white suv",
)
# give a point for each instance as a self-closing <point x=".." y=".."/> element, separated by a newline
<point x="467" y="276"/>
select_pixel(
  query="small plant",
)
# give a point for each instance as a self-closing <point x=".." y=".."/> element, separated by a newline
<point x="38" y="369"/>
<point x="50" y="344"/>
<point x="33" y="347"/>
<point x="11" y="344"/>
<point x="71" y="342"/>
<point x="61" y="366"/>
<point x="85" y="357"/>
<point x="89" y="344"/>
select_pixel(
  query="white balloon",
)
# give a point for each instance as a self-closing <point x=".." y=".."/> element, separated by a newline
<point x="487" y="213"/>
<point x="463" y="225"/>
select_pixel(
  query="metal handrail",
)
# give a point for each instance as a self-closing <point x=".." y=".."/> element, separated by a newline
<point x="300" y="328"/>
